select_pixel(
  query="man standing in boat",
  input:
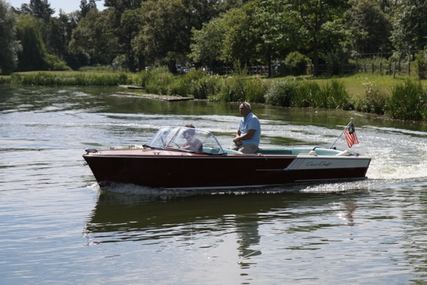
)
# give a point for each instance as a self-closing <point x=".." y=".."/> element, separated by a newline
<point x="249" y="132"/>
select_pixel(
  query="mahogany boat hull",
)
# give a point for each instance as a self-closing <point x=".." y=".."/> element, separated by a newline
<point x="183" y="170"/>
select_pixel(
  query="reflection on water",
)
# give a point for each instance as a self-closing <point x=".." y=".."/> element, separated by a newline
<point x="118" y="217"/>
<point x="130" y="213"/>
<point x="58" y="228"/>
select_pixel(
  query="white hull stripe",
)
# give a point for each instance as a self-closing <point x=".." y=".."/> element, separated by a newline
<point x="309" y="163"/>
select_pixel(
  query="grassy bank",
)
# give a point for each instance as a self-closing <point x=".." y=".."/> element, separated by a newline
<point x="400" y="97"/>
<point x="5" y="79"/>
<point x="71" y="78"/>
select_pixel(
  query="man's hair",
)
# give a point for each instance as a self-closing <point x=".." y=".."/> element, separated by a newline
<point x="246" y="105"/>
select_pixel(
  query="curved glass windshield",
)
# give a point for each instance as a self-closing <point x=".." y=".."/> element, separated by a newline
<point x="186" y="139"/>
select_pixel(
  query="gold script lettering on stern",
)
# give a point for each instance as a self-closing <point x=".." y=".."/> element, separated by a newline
<point x="304" y="163"/>
<point x="321" y="163"/>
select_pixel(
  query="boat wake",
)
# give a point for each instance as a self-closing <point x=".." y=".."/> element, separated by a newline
<point x="397" y="170"/>
<point x="342" y="187"/>
<point x="396" y="153"/>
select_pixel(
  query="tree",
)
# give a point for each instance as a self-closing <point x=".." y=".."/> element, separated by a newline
<point x="86" y="6"/>
<point x="256" y="33"/>
<point x="409" y="32"/>
<point x="34" y="53"/>
<point x="39" y="9"/>
<point x="369" y="26"/>
<point x="121" y="5"/>
<point x="165" y="35"/>
<point x="48" y="25"/>
<point x="227" y="39"/>
<point x="130" y="25"/>
<point x="8" y="43"/>
<point x="59" y="34"/>
<point x="317" y="19"/>
<point x="94" y="37"/>
<point x="125" y="25"/>
<point x="239" y="44"/>
<point x="275" y="30"/>
<point x="207" y="43"/>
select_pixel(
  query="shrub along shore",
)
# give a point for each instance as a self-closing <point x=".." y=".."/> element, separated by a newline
<point x="400" y="98"/>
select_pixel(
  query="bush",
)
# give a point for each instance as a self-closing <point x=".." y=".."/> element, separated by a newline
<point x="254" y="90"/>
<point x="333" y="95"/>
<point x="158" y="80"/>
<point x="282" y="93"/>
<point x="233" y="89"/>
<point x="55" y="63"/>
<point x="239" y="88"/>
<point x="421" y="64"/>
<point x="141" y="78"/>
<point x="373" y="101"/>
<point x="307" y="94"/>
<point x="184" y="85"/>
<point x="194" y="83"/>
<point x="296" y="63"/>
<point x="5" y="79"/>
<point x="408" y="101"/>
<point x="206" y="87"/>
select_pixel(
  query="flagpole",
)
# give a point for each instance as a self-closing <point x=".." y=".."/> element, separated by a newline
<point x="341" y="134"/>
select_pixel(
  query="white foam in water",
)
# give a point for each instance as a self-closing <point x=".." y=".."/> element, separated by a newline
<point x="397" y="171"/>
<point x="396" y="154"/>
<point x="347" y="187"/>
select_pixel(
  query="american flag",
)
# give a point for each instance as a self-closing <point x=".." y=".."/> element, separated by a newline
<point x="350" y="135"/>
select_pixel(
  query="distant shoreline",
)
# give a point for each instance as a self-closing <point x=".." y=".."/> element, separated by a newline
<point x="369" y="93"/>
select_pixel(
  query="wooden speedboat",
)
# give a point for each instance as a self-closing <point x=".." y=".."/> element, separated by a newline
<point x="168" y="162"/>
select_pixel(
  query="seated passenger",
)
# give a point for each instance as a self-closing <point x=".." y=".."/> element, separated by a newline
<point x="192" y="143"/>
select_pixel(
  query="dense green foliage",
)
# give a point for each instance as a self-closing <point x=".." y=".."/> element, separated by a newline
<point x="8" y="44"/>
<point x="421" y="64"/>
<point x="33" y="54"/>
<point x="280" y="34"/>
<point x="291" y="93"/>
<point x="282" y="37"/>
<point x="414" y="99"/>
<point x="372" y="101"/>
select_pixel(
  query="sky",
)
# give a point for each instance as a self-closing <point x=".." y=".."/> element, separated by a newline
<point x="66" y="5"/>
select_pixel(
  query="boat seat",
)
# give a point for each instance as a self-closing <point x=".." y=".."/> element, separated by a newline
<point x="344" y="153"/>
<point x="274" y="151"/>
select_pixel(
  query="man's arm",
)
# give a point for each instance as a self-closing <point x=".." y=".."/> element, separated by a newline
<point x="246" y="136"/>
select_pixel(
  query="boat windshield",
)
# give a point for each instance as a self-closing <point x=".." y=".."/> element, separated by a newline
<point x="186" y="139"/>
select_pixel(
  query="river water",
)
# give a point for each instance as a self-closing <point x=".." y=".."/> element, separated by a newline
<point x="58" y="227"/>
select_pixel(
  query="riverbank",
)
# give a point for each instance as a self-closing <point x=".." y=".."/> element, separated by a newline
<point x="400" y="97"/>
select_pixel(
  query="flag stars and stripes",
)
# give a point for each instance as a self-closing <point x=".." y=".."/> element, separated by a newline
<point x="350" y="135"/>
